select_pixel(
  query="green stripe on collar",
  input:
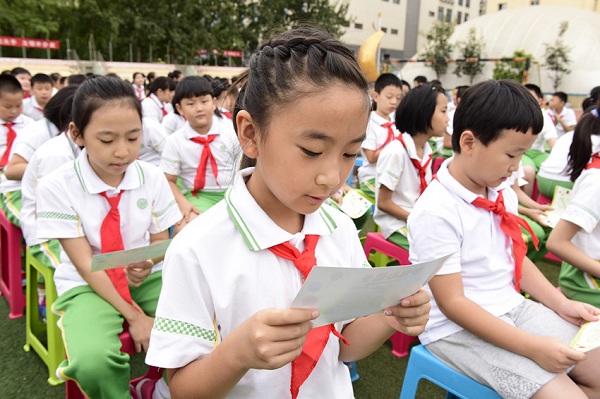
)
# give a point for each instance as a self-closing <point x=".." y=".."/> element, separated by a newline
<point x="236" y="218"/>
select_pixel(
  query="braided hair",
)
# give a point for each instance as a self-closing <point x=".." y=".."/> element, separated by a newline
<point x="291" y="65"/>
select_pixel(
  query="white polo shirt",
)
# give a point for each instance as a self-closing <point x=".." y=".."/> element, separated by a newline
<point x="554" y="167"/>
<point x="218" y="273"/>
<point x="153" y="141"/>
<point x="396" y="172"/>
<point x="69" y="206"/>
<point x="32" y="137"/>
<point x="20" y="122"/>
<point x="584" y="211"/>
<point x="152" y="108"/>
<point x="376" y="136"/>
<point x="567" y="115"/>
<point x="32" y="109"/>
<point x="181" y="155"/>
<point x="443" y="222"/>
<point x="548" y="132"/>
<point x="50" y="156"/>
<point x="172" y="122"/>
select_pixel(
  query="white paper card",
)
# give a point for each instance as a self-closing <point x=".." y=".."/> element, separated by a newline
<point x="588" y="337"/>
<point x="110" y="260"/>
<point x="354" y="204"/>
<point x="560" y="202"/>
<point x="344" y="293"/>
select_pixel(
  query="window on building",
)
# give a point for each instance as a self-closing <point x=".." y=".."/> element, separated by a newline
<point x="431" y="14"/>
<point x="468" y="3"/>
<point x="396" y="1"/>
<point x="458" y="17"/>
<point x="466" y="17"/>
<point x="358" y="26"/>
<point x="384" y="29"/>
<point x="460" y="2"/>
<point x="535" y="2"/>
<point x="440" y="13"/>
<point x="448" y="15"/>
<point x="502" y="6"/>
<point x="394" y="31"/>
<point x="386" y="1"/>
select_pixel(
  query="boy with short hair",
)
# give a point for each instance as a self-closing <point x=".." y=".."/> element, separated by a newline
<point x="41" y="92"/>
<point x="381" y="129"/>
<point x="24" y="78"/>
<point x="564" y="118"/>
<point x="11" y="122"/>
<point x="479" y="323"/>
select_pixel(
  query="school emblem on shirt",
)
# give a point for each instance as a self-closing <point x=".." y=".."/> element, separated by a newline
<point x="142" y="203"/>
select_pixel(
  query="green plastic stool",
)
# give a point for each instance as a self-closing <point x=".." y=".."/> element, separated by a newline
<point x="53" y="352"/>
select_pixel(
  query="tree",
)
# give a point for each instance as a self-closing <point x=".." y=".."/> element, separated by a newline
<point x="471" y="51"/>
<point x="557" y="56"/>
<point x="438" y="48"/>
<point x="511" y="69"/>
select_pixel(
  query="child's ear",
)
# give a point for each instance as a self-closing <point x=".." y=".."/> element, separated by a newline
<point x="247" y="134"/>
<point x="75" y="135"/>
<point x="179" y="109"/>
<point x="467" y="141"/>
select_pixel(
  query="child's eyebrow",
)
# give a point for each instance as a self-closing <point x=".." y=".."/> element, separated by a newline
<point x="317" y="135"/>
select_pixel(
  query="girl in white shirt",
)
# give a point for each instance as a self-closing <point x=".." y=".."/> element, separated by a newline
<point x="105" y="201"/>
<point x="224" y="325"/>
<point x="158" y="103"/>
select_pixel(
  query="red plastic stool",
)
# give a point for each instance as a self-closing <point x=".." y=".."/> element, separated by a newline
<point x="376" y="242"/>
<point x="72" y="390"/>
<point x="542" y="199"/>
<point x="11" y="270"/>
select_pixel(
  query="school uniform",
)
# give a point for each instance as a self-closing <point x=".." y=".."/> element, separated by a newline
<point x="537" y="153"/>
<point x="567" y="115"/>
<point x="140" y="92"/>
<point x="153" y="108"/>
<point x="153" y="141"/>
<point x="10" y="190"/>
<point x="181" y="157"/>
<point x="32" y="137"/>
<point x="583" y="211"/>
<point x="70" y="206"/>
<point x="32" y="109"/>
<point x="482" y="254"/>
<point x="396" y="172"/>
<point x="376" y="137"/>
<point x="172" y="122"/>
<point x="47" y="158"/>
<point x="554" y="170"/>
<point x="207" y="294"/>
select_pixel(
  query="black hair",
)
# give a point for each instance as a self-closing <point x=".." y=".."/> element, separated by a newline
<point x="58" y="109"/>
<point x="95" y="93"/>
<point x="40" y="78"/>
<point x="460" y="91"/>
<point x="405" y="83"/>
<point x="162" y="83"/>
<point x="416" y="109"/>
<point x="63" y="80"/>
<point x="420" y="79"/>
<point x="219" y="86"/>
<point x="114" y="75"/>
<point x="76" y="79"/>
<point x="9" y="84"/>
<point x="536" y="89"/>
<point x="190" y="87"/>
<point x="581" y="147"/>
<point x="290" y="66"/>
<point x="55" y="76"/>
<point x="479" y="111"/>
<point x="175" y="74"/>
<point x="137" y="73"/>
<point x="150" y="76"/>
<point x="387" y="79"/>
<point x="595" y="93"/>
<point x="19" y="71"/>
<point x="562" y="96"/>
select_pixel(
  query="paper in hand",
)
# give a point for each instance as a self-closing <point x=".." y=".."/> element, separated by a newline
<point x="344" y="293"/>
<point x="110" y="260"/>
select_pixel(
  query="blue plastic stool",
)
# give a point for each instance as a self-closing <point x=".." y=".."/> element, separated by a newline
<point x="352" y="367"/>
<point x="422" y="364"/>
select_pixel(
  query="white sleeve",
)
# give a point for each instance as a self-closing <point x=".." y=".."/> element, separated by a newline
<point x="390" y="166"/>
<point x="170" y="160"/>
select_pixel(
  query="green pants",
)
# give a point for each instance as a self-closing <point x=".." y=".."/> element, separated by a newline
<point x="542" y="235"/>
<point x="368" y="189"/>
<point x="579" y="286"/>
<point x="400" y="240"/>
<point x="546" y="187"/>
<point x="48" y="253"/>
<point x="205" y="199"/>
<point x="534" y="158"/>
<point x="11" y="205"/>
<point x="90" y="328"/>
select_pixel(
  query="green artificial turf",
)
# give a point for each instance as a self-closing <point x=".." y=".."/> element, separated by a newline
<point x="23" y="375"/>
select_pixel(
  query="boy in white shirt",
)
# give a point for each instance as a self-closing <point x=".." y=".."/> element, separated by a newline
<point x="480" y="324"/>
<point x="41" y="92"/>
<point x="563" y="118"/>
<point x="381" y="129"/>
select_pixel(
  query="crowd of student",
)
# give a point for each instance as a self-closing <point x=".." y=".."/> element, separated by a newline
<point x="240" y="173"/>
